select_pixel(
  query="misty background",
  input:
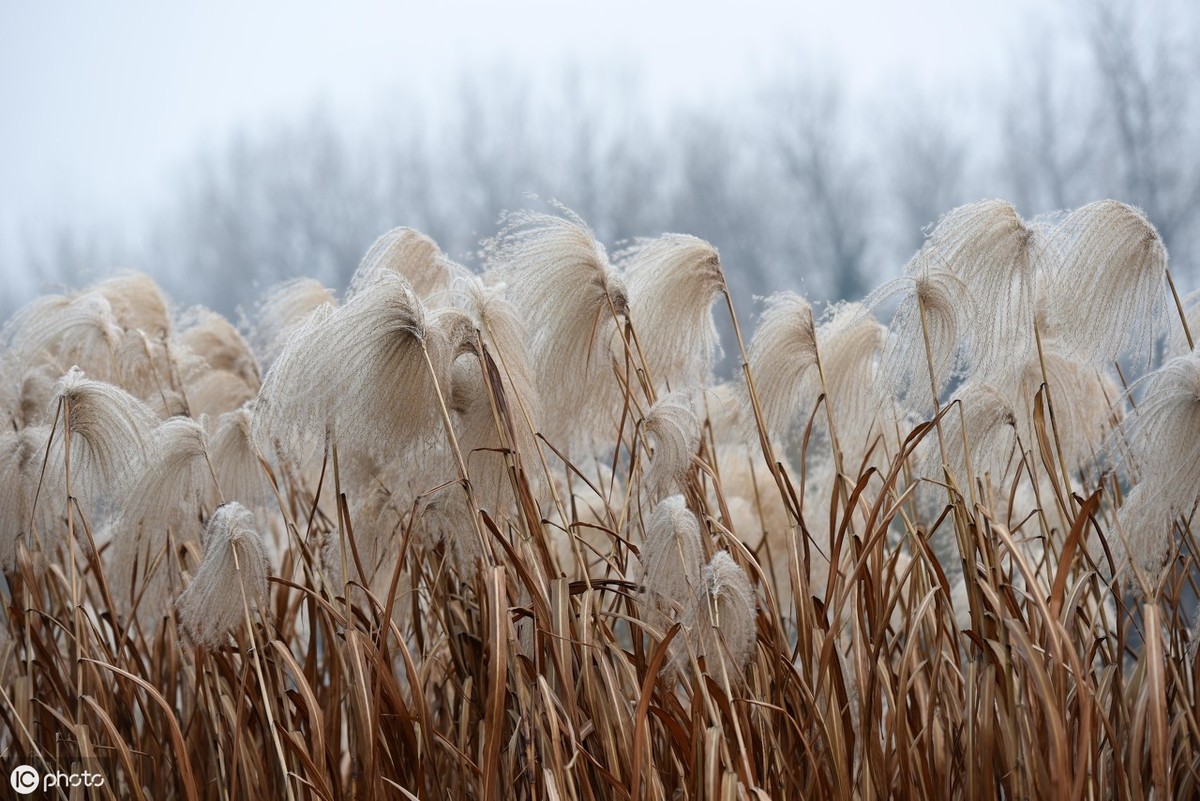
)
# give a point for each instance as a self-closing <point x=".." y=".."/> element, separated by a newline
<point x="224" y="149"/>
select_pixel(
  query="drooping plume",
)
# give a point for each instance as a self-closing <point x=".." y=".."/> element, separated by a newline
<point x="988" y="247"/>
<point x="366" y="373"/>
<point x="783" y="361"/>
<point x="22" y="454"/>
<point x="923" y="348"/>
<point x="1156" y="447"/>
<point x="558" y="275"/>
<point x="721" y="626"/>
<point x="163" y="509"/>
<point x="283" y="311"/>
<point x="236" y="462"/>
<point x="231" y="581"/>
<point x="674" y="432"/>
<point x="1107" y="282"/>
<point x="137" y="303"/>
<point x="410" y="253"/>
<point x="672" y="561"/>
<point x="63" y="331"/>
<point x="213" y="338"/>
<point x="673" y="281"/>
<point x="849" y="343"/>
<point x="111" y="435"/>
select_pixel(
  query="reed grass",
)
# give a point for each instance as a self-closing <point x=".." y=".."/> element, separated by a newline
<point x="500" y="568"/>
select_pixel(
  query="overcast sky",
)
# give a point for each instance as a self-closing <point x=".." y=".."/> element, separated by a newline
<point x="103" y="102"/>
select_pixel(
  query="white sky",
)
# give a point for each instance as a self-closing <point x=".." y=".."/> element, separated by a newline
<point x="102" y="101"/>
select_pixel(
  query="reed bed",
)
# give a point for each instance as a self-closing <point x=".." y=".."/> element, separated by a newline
<point x="503" y="533"/>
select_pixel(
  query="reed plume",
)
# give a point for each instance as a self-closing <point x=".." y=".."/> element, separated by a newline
<point x="284" y="309"/>
<point x="22" y="454"/>
<point x="138" y="303"/>
<point x="722" y="623"/>
<point x="672" y="562"/>
<point x="63" y="331"/>
<point x="988" y="247"/>
<point x="366" y="373"/>
<point x="923" y="351"/>
<point x="162" y="511"/>
<point x="1163" y="456"/>
<point x="110" y="435"/>
<point x="235" y="460"/>
<point x="1107" y="282"/>
<point x="413" y="255"/>
<point x="671" y="426"/>
<point x="783" y="361"/>
<point x="231" y="580"/>
<point x="673" y="281"/>
<point x="214" y="339"/>
<point x="556" y="273"/>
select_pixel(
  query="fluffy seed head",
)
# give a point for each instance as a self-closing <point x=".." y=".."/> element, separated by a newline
<point x="111" y="432"/>
<point x="235" y="460"/>
<point x="1107" y="284"/>
<point x="137" y="303"/>
<point x="990" y="249"/>
<point x="783" y="361"/>
<point x="672" y="561"/>
<point x="723" y="622"/>
<point x="163" y="508"/>
<point x="282" y="311"/>
<point x="671" y="426"/>
<point x="673" y="281"/>
<point x="935" y="308"/>
<point x="214" y="339"/>
<point x="231" y="579"/>
<point x="410" y="253"/>
<point x="558" y="274"/>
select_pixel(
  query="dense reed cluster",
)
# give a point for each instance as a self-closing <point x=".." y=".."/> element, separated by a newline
<point x="504" y="533"/>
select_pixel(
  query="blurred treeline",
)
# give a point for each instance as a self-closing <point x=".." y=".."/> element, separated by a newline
<point x="796" y="179"/>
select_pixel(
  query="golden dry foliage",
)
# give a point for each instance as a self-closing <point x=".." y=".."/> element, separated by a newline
<point x="471" y="547"/>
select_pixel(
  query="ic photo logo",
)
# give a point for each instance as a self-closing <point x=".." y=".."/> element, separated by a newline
<point x="24" y="779"/>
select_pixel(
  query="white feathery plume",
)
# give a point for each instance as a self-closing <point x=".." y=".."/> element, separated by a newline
<point x="928" y="328"/>
<point x="1087" y="404"/>
<point x="986" y="422"/>
<point x="849" y="342"/>
<point x="137" y="303"/>
<point x="1143" y="535"/>
<point x="214" y="392"/>
<point x="672" y="428"/>
<point x="235" y="460"/>
<point x="36" y="392"/>
<point x="558" y="275"/>
<point x="673" y="281"/>
<point x="410" y="253"/>
<point x="363" y="374"/>
<point x="231" y="580"/>
<point x="214" y="339"/>
<point x="672" y="560"/>
<point x="992" y="251"/>
<point x="163" y="507"/>
<point x="22" y="454"/>
<point x="286" y="403"/>
<point x="283" y="311"/>
<point x="722" y="622"/>
<point x="1159" y="444"/>
<point x="783" y="361"/>
<point x="62" y="331"/>
<point x="110" y="436"/>
<point x="1107" y="282"/>
<point x="506" y="338"/>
